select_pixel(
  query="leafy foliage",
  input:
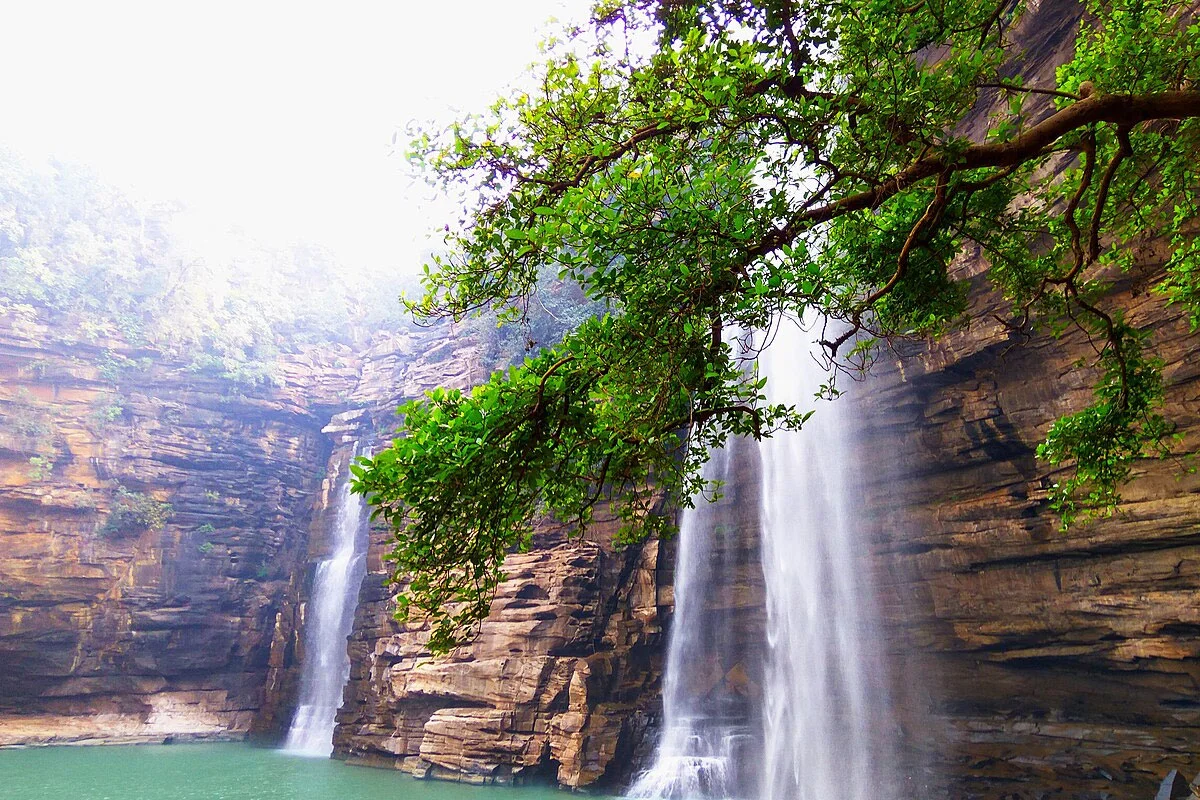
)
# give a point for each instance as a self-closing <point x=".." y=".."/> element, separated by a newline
<point x="40" y="468"/>
<point x="28" y="418"/>
<point x="1104" y="439"/>
<point x="106" y="413"/>
<point x="570" y="428"/>
<point x="78" y="254"/>
<point x="134" y="512"/>
<point x="555" y="308"/>
<point x="765" y="160"/>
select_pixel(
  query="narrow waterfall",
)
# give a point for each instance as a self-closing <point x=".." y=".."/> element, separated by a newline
<point x="328" y="623"/>
<point x="702" y="730"/>
<point x="819" y="701"/>
<point x="825" y="710"/>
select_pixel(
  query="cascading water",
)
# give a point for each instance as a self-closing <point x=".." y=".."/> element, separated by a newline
<point x="824" y="698"/>
<point x="822" y="715"/>
<point x="703" y="732"/>
<point x="330" y="617"/>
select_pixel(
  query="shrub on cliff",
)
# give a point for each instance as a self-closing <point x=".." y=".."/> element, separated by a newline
<point x="765" y="159"/>
<point x="134" y="512"/>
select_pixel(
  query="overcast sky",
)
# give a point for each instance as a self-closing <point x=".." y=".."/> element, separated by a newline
<point x="274" y="116"/>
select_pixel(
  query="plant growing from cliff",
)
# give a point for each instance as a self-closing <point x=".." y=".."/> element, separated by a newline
<point x="41" y="468"/>
<point x="134" y="512"/>
<point x="29" y="419"/>
<point x="774" y="159"/>
<point x="106" y="412"/>
<point x="112" y="366"/>
<point x="38" y="368"/>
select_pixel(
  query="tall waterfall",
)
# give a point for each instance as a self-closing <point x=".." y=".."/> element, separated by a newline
<point x="328" y="623"/>
<point x="703" y="730"/>
<point x="824" y="699"/>
<point x="821" y="708"/>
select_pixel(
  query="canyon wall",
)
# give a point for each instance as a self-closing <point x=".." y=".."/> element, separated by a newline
<point x="1053" y="663"/>
<point x="1028" y="661"/>
<point x="153" y="530"/>
<point x="159" y="528"/>
<point x="1034" y="662"/>
<point x="564" y="674"/>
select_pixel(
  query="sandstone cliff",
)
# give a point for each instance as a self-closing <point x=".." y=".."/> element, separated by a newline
<point x="562" y="674"/>
<point x="1028" y="662"/>
<point x="122" y="618"/>
<point x="1047" y="663"/>
<point x="117" y="627"/>
<point x="1060" y="663"/>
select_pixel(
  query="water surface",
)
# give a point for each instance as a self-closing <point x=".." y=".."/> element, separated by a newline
<point x="218" y="772"/>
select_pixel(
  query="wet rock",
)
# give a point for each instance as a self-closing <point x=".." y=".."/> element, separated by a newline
<point x="1031" y="661"/>
<point x="1173" y="787"/>
<point x="546" y="682"/>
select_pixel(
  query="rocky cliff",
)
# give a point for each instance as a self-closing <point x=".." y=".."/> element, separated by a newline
<point x="1048" y="663"/>
<point x="1055" y="663"/>
<point x="1027" y="661"/>
<point x="159" y="531"/>
<point x="153" y="526"/>
<point x="563" y="674"/>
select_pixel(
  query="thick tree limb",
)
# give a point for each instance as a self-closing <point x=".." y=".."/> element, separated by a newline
<point x="1120" y="109"/>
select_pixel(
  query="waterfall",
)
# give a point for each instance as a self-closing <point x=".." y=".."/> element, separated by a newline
<point x="824" y="699"/>
<point x="703" y="728"/>
<point x="327" y="625"/>
<point x="820" y="714"/>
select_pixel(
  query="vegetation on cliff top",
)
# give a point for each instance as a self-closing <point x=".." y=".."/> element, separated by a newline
<point x="766" y="159"/>
<point x="83" y="257"/>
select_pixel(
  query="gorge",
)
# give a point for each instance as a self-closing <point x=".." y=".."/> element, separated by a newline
<point x="1023" y="684"/>
<point x="882" y="604"/>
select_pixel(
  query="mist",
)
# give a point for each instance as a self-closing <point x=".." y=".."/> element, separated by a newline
<point x="270" y="122"/>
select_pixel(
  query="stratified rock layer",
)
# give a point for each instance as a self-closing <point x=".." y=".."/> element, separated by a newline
<point x="1055" y="663"/>
<point x="559" y="681"/>
<point x="564" y="674"/>
<point x="144" y="632"/>
<point x="1033" y="662"/>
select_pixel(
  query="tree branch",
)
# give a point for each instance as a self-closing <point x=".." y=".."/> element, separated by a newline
<point x="1121" y="109"/>
<point x="1012" y="87"/>
<point x="1124" y="150"/>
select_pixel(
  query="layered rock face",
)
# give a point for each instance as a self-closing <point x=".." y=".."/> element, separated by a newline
<point x="1028" y="662"/>
<point x="160" y="530"/>
<point x="1034" y="662"/>
<point x="558" y="682"/>
<point x="1051" y="663"/>
<point x="153" y="524"/>
<point x="1056" y="663"/>
<point x="563" y="674"/>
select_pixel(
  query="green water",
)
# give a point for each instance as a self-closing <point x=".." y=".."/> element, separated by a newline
<point x="218" y="772"/>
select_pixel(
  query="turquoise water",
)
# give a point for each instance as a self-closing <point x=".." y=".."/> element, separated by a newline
<point x="218" y="772"/>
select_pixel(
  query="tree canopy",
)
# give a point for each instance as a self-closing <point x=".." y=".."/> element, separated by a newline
<point x="700" y="167"/>
<point x="101" y="267"/>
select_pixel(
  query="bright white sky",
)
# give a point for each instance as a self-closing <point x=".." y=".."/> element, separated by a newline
<point x="272" y="116"/>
